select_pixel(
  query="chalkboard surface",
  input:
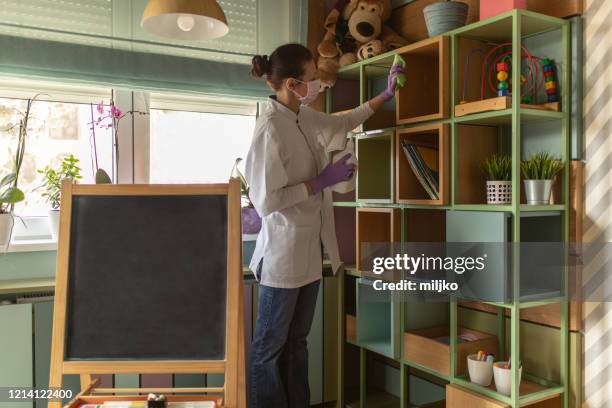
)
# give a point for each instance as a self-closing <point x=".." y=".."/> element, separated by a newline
<point x="147" y="278"/>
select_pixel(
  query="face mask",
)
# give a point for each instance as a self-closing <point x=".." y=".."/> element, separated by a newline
<point x="312" y="91"/>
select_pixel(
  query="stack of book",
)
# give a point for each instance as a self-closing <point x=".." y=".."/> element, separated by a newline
<point x="427" y="176"/>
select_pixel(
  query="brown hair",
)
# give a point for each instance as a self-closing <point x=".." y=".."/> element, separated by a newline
<point x="287" y="61"/>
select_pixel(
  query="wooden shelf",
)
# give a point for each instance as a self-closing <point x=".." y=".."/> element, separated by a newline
<point x="426" y="93"/>
<point x="434" y="145"/>
<point x="473" y="145"/>
<point x="375" y="172"/>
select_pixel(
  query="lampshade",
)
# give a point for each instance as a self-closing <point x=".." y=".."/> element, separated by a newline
<point x="185" y="19"/>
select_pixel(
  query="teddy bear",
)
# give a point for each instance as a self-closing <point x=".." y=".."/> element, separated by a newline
<point x="355" y="30"/>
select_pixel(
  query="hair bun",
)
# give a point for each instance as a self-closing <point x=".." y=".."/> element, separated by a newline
<point x="260" y="66"/>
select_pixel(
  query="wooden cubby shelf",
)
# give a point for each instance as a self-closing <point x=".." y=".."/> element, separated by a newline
<point x="377" y="319"/>
<point x="375" y="225"/>
<point x="470" y="181"/>
<point x="426" y="93"/>
<point x="375" y="153"/>
<point x="433" y="144"/>
<point x="473" y="95"/>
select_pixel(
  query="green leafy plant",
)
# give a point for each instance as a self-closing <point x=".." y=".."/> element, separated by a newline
<point x="244" y="186"/>
<point x="497" y="167"/>
<point x="67" y="170"/>
<point x="541" y="166"/>
<point x="10" y="194"/>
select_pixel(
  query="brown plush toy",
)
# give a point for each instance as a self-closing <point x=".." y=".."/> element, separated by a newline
<point x="355" y="30"/>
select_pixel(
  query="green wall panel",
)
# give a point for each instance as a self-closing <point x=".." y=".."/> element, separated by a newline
<point x="16" y="350"/>
<point x="26" y="265"/>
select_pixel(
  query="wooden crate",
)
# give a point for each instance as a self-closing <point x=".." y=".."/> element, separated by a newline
<point x="351" y="328"/>
<point x="556" y="8"/>
<point x="422" y="347"/>
<point x="425" y="96"/>
<point x="459" y="397"/>
<point x="408" y="189"/>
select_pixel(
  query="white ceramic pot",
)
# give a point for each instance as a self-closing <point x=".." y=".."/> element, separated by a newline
<point x="481" y="372"/>
<point x="6" y="228"/>
<point x="538" y="192"/>
<point x="499" y="192"/>
<point x="503" y="377"/>
<point x="54" y="223"/>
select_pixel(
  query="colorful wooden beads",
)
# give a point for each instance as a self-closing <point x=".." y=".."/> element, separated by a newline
<point x="502" y="78"/>
<point x="550" y="83"/>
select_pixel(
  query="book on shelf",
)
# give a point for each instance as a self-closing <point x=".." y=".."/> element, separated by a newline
<point x="422" y="161"/>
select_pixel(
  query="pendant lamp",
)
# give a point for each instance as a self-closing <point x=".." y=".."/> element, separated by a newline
<point x="185" y="19"/>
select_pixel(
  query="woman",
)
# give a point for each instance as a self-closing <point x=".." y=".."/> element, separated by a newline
<point x="289" y="173"/>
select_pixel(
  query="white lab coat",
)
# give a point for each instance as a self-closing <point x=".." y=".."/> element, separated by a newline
<point x="287" y="150"/>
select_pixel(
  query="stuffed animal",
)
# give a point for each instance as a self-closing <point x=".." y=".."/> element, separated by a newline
<point x="355" y="29"/>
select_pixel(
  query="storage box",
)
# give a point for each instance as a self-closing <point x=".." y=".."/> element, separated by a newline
<point x="430" y="347"/>
<point x="490" y="8"/>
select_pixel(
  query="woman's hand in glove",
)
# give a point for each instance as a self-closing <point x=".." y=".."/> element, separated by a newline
<point x="332" y="174"/>
<point x="394" y="72"/>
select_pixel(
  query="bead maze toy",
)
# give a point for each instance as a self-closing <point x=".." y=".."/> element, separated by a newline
<point x="537" y="74"/>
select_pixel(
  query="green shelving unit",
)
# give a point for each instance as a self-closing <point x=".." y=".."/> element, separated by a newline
<point x="516" y="130"/>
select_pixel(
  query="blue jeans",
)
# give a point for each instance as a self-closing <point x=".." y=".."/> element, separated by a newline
<point x="278" y="366"/>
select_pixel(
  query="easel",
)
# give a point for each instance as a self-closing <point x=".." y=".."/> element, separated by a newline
<point x="232" y="394"/>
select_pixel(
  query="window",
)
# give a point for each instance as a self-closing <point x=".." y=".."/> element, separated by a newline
<point x="55" y="129"/>
<point x="197" y="147"/>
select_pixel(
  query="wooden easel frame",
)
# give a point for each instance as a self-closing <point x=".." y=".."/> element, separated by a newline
<point x="233" y="366"/>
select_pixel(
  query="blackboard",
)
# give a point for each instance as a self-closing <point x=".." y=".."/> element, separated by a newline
<point x="147" y="278"/>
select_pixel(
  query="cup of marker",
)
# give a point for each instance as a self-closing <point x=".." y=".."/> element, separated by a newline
<point x="503" y="376"/>
<point x="480" y="368"/>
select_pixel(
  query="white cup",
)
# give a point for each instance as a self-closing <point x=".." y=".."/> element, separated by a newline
<point x="503" y="377"/>
<point x="481" y="372"/>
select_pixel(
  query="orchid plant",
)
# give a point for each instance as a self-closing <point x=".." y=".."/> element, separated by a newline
<point x="107" y="117"/>
<point x="10" y="193"/>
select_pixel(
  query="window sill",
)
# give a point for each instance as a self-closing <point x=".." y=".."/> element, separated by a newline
<point x="33" y="245"/>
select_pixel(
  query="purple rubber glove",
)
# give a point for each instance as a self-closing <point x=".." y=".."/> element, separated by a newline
<point x="389" y="92"/>
<point x="333" y="174"/>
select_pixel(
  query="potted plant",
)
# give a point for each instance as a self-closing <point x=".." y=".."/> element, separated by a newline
<point x="445" y="16"/>
<point x="498" y="171"/>
<point x="52" y="183"/>
<point x="10" y="194"/>
<point x="539" y="172"/>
